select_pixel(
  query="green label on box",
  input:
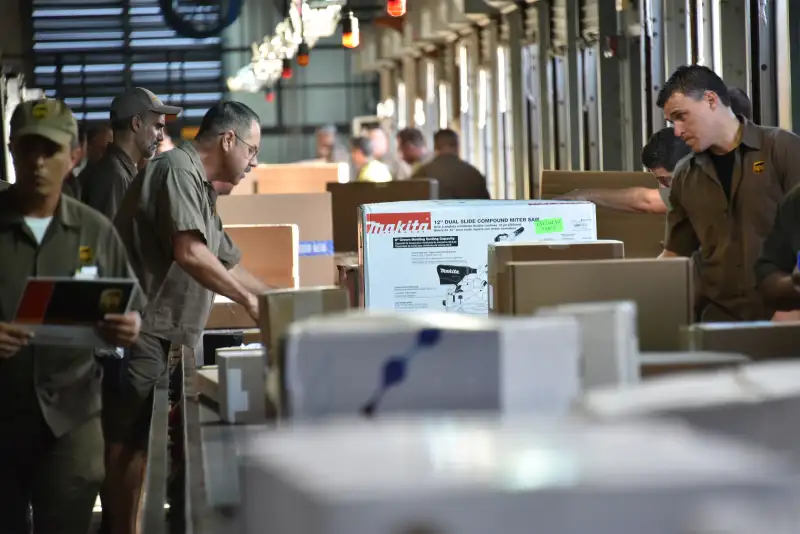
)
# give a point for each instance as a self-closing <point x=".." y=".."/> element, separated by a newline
<point x="549" y="226"/>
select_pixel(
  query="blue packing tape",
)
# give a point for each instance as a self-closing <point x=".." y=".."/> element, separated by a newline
<point x="316" y="248"/>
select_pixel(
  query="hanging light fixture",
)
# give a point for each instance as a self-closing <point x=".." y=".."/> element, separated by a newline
<point x="302" y="54"/>
<point x="286" y="73"/>
<point x="350" y="37"/>
<point x="396" y="8"/>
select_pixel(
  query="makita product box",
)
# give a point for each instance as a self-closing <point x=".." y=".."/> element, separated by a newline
<point x="432" y="255"/>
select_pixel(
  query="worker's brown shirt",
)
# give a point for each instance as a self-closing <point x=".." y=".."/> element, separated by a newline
<point x="457" y="178"/>
<point x="730" y="234"/>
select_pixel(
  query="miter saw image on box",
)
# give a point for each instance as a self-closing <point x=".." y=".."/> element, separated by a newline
<point x="469" y="293"/>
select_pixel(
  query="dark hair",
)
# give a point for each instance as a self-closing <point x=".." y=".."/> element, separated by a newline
<point x="444" y="139"/>
<point x="740" y="103"/>
<point x="224" y="116"/>
<point x="173" y="129"/>
<point x="83" y="133"/>
<point x="411" y="136"/>
<point x="363" y="144"/>
<point x="693" y="81"/>
<point x="664" y="150"/>
<point x="94" y="130"/>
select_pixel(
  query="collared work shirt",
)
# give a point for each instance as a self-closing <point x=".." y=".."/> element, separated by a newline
<point x="172" y="195"/>
<point x="374" y="171"/>
<point x="730" y="233"/>
<point x="64" y="382"/>
<point x="779" y="254"/>
<point x="457" y="178"/>
<point x="103" y="185"/>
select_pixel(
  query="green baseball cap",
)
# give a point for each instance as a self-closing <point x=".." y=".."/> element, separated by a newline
<point x="46" y="117"/>
<point x="137" y="101"/>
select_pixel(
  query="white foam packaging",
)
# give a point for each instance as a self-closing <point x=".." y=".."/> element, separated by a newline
<point x="363" y="362"/>
<point x="468" y="476"/>
<point x="609" y="341"/>
<point x="432" y="255"/>
<point x="242" y="385"/>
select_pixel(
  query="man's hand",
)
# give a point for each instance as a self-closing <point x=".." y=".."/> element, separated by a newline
<point x="121" y="330"/>
<point x="12" y="339"/>
<point x="252" y="307"/>
<point x="575" y="194"/>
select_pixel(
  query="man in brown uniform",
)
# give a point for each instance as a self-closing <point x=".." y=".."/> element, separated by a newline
<point x="137" y="117"/>
<point x="778" y="268"/>
<point x="169" y="223"/>
<point x="724" y="197"/>
<point x="457" y="178"/>
<point x="51" y="443"/>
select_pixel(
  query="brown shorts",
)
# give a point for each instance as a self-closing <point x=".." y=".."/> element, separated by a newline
<point x="128" y="388"/>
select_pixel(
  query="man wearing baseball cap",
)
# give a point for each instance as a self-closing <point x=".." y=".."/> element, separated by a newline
<point x="51" y="442"/>
<point x="138" y="121"/>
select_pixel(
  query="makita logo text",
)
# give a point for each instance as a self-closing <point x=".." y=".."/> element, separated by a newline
<point x="448" y="271"/>
<point x="398" y="223"/>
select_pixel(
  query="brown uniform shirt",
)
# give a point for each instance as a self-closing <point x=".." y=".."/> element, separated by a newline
<point x="457" y="178"/>
<point x="730" y="234"/>
<point x="172" y="195"/>
<point x="103" y="185"/>
<point x="779" y="254"/>
<point x="63" y="382"/>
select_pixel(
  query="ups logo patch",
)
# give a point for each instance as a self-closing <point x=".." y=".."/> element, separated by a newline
<point x="758" y="167"/>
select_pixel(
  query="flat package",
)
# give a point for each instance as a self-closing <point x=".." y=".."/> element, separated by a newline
<point x="311" y="213"/>
<point x="242" y="385"/>
<point x="759" y="340"/>
<point x="433" y="255"/>
<point x="441" y="475"/>
<point x="661" y="289"/>
<point x="371" y="363"/>
<point x="504" y="252"/>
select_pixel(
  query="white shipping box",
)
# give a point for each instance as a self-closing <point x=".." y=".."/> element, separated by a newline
<point x="372" y="363"/>
<point x="610" y="345"/>
<point x="466" y="476"/>
<point x="432" y="255"/>
<point x="242" y="385"/>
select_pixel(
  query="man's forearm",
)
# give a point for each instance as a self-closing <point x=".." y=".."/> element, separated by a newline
<point x="632" y="199"/>
<point x="779" y="291"/>
<point x="209" y="272"/>
<point x="250" y="282"/>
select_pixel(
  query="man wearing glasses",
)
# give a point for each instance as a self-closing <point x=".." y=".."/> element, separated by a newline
<point x="182" y="256"/>
<point x="138" y="120"/>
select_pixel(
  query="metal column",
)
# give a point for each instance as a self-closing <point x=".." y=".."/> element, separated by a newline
<point x="538" y="93"/>
<point x="705" y="34"/>
<point x="568" y="83"/>
<point x="732" y="39"/>
<point x="409" y="69"/>
<point x="676" y="36"/>
<point x="628" y="49"/>
<point x="787" y="31"/>
<point x="765" y="105"/>
<point x="519" y="129"/>
<point x="609" y="90"/>
<point x="589" y="54"/>
<point x="652" y="66"/>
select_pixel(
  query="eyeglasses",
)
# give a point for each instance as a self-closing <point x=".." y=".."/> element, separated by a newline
<point x="252" y="151"/>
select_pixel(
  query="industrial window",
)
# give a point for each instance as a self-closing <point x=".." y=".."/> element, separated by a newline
<point x="88" y="51"/>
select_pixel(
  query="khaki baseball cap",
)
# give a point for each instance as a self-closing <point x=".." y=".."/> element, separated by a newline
<point x="48" y="118"/>
<point x="138" y="101"/>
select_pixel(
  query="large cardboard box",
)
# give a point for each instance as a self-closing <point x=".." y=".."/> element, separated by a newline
<point x="298" y="177"/>
<point x="661" y="289"/>
<point x="346" y="198"/>
<point x="432" y="255"/>
<point x="642" y="233"/>
<point x="500" y="254"/>
<point x="761" y="340"/>
<point x="269" y="251"/>
<point x="226" y="314"/>
<point x="375" y="363"/>
<point x="312" y="215"/>
<point x="476" y="476"/>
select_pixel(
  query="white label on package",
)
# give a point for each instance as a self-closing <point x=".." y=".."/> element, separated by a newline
<point x="436" y="260"/>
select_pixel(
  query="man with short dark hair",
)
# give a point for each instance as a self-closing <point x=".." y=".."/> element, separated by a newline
<point x="366" y="167"/>
<point x="98" y="137"/>
<point x="778" y="267"/>
<point x="72" y="184"/>
<point x="138" y="120"/>
<point x="51" y="441"/>
<point x="182" y="256"/>
<point x="412" y="147"/>
<point x="457" y="178"/>
<point x="660" y="156"/>
<point x="724" y="196"/>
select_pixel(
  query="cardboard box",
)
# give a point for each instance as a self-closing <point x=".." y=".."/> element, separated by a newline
<point x="642" y="233"/>
<point x="466" y="476"/>
<point x="658" y="364"/>
<point x="610" y="347"/>
<point x="242" y="385"/>
<point x="661" y="289"/>
<point x="226" y="314"/>
<point x="346" y="198"/>
<point x="762" y="340"/>
<point x="432" y="255"/>
<point x="312" y="215"/>
<point x="298" y="177"/>
<point x="376" y="363"/>
<point x="502" y="253"/>
<point x="280" y="308"/>
<point x="270" y="252"/>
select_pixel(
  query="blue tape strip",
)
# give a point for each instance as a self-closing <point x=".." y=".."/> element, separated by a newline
<point x="316" y="248"/>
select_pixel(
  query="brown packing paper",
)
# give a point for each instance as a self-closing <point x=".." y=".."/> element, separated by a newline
<point x="500" y="254"/>
<point x="298" y="177"/>
<point x="269" y="251"/>
<point x="643" y="234"/>
<point x="758" y="340"/>
<point x="661" y="289"/>
<point x="310" y="212"/>
<point x="346" y="198"/>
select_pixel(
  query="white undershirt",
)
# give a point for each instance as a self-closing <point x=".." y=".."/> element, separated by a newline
<point x="38" y="226"/>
